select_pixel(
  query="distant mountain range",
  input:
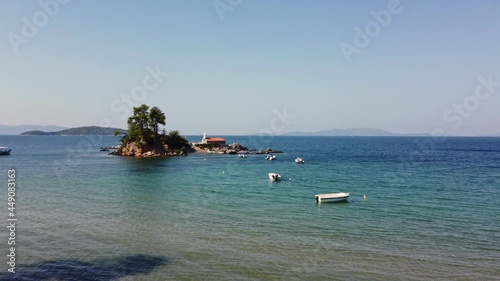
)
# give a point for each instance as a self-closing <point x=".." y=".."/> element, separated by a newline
<point x="354" y="132"/>
<point x="94" y="130"/>
<point x="16" y="130"/>
<point x="79" y="131"/>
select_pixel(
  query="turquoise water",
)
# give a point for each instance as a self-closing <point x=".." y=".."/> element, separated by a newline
<point x="432" y="212"/>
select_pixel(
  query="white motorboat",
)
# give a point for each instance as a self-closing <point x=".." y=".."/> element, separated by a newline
<point x="274" y="176"/>
<point x="299" y="160"/>
<point x="270" y="157"/>
<point x="241" y="155"/>
<point x="332" y="197"/>
<point x="4" y="150"/>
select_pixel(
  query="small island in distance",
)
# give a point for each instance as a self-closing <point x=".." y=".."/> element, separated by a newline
<point x="78" y="131"/>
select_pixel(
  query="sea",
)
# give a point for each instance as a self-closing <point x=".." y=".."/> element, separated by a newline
<point x="420" y="209"/>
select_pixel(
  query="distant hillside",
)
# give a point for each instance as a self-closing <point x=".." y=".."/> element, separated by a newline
<point x="354" y="132"/>
<point x="79" y="131"/>
<point x="16" y="130"/>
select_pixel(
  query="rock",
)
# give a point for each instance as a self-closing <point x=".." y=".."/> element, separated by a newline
<point x="236" y="147"/>
<point x="144" y="150"/>
<point x="233" y="148"/>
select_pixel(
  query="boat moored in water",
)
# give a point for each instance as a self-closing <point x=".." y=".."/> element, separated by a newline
<point x="4" y="150"/>
<point x="332" y="197"/>
<point x="271" y="157"/>
<point x="274" y="176"/>
<point x="299" y="160"/>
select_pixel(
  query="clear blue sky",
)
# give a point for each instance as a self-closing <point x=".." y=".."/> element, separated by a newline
<point x="226" y="77"/>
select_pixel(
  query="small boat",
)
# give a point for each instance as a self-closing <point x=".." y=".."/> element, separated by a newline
<point x="299" y="160"/>
<point x="270" y="157"/>
<point x="104" y="149"/>
<point x="332" y="197"/>
<point x="274" y="176"/>
<point x="4" y="150"/>
<point x="241" y="155"/>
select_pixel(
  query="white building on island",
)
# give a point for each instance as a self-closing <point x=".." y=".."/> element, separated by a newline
<point x="210" y="140"/>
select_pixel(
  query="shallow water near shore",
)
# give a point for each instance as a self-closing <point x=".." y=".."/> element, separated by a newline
<point x="429" y="215"/>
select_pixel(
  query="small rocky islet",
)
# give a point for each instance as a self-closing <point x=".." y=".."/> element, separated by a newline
<point x="234" y="148"/>
<point x="134" y="150"/>
<point x="143" y="139"/>
<point x="155" y="150"/>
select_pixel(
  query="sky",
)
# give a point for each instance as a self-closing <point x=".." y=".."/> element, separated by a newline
<point x="243" y="67"/>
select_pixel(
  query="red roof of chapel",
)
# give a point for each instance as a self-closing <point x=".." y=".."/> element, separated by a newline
<point x="215" y="139"/>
